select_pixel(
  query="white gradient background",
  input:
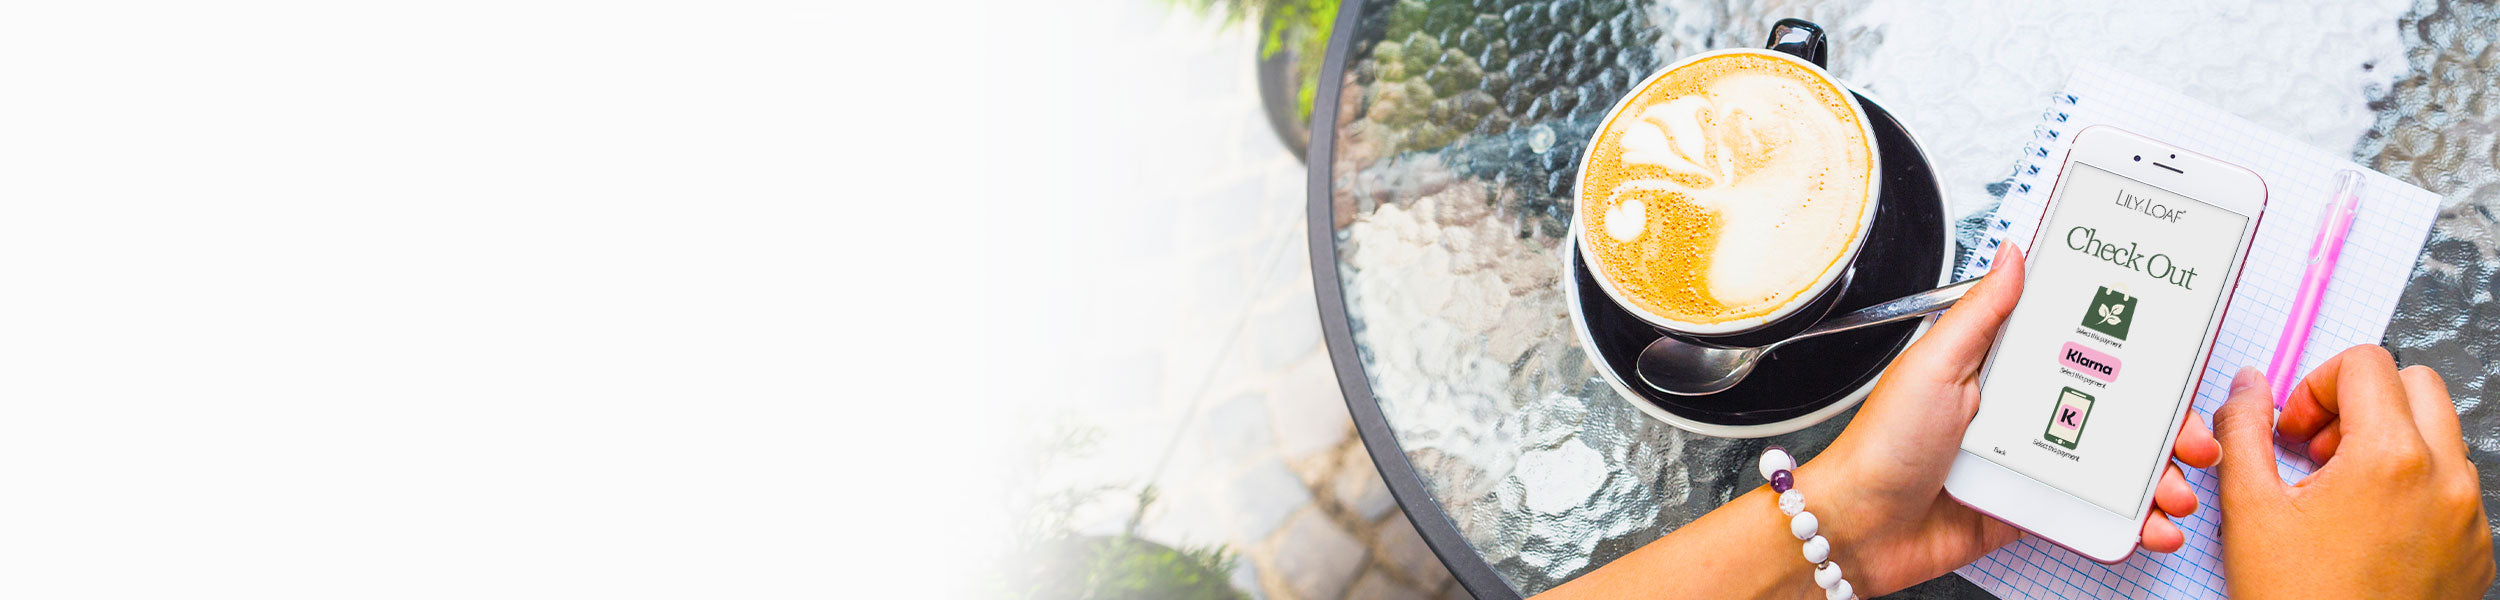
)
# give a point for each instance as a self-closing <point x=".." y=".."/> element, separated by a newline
<point x="476" y="299"/>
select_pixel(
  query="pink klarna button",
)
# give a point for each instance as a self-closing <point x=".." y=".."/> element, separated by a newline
<point x="2091" y="363"/>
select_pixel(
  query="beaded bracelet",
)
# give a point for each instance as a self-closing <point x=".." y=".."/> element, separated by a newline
<point x="1779" y="467"/>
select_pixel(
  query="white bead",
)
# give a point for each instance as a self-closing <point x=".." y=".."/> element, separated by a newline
<point x="1818" y="549"/>
<point x="1792" y="502"/>
<point x="1839" y="592"/>
<point x="1826" y="575"/>
<point x="1775" y="460"/>
<point x="1803" y="525"/>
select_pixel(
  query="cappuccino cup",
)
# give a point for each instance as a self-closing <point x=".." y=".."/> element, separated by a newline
<point x="1725" y="198"/>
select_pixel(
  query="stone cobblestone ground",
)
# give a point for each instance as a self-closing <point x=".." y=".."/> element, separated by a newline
<point x="1199" y="359"/>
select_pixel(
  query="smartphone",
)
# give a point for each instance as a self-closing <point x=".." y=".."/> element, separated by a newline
<point x="2126" y="283"/>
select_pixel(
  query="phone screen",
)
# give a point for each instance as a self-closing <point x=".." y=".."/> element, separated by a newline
<point x="2100" y="354"/>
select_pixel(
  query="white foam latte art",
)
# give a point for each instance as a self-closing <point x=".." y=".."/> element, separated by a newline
<point x="1625" y="222"/>
<point x="1773" y="241"/>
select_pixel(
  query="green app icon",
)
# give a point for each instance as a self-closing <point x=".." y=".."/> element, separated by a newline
<point x="2067" y="417"/>
<point x="2111" y="312"/>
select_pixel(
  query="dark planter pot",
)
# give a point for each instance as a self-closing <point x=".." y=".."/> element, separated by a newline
<point x="1279" y="91"/>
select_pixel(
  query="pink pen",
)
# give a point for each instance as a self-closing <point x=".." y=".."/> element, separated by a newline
<point x="2285" y="371"/>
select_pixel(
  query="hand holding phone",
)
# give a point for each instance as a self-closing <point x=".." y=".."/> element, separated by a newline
<point x="2131" y="272"/>
<point x="1886" y="471"/>
<point x="1878" y="488"/>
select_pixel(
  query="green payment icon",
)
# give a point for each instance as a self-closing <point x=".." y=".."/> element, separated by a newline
<point x="2067" y="417"/>
<point x="2110" y="313"/>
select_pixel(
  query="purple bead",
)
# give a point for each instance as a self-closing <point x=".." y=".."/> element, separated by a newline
<point x="1781" y="480"/>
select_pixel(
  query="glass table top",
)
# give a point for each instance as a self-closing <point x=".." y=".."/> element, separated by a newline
<point x="1459" y="123"/>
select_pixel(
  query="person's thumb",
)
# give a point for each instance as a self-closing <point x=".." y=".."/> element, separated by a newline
<point x="1962" y="336"/>
<point x="2245" y="427"/>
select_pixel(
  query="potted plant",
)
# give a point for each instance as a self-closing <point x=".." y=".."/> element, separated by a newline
<point x="1293" y="40"/>
<point x="1047" y="557"/>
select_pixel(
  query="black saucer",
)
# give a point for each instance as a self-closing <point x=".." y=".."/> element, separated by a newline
<point x="1802" y="383"/>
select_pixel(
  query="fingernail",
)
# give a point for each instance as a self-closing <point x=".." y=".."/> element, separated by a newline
<point x="2248" y="377"/>
<point x="2003" y="250"/>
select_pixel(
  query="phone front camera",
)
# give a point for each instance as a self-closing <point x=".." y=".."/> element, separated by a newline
<point x="2139" y="159"/>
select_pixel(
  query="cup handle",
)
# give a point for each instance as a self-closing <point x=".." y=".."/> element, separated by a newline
<point x="1799" y="38"/>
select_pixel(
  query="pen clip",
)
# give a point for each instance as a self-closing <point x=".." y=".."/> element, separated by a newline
<point x="2347" y="191"/>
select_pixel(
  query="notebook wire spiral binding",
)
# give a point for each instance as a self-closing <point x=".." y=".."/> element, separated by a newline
<point x="2037" y="160"/>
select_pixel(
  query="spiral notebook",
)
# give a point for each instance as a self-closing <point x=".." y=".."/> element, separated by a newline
<point x="2377" y="259"/>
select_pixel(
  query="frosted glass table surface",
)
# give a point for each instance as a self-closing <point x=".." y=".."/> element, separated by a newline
<point x="1459" y="126"/>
